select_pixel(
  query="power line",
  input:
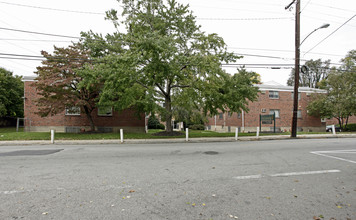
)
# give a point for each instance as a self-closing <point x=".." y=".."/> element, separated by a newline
<point x="32" y="32"/>
<point x="286" y="51"/>
<point x="244" y="19"/>
<point x="36" y="57"/>
<point x="33" y="40"/>
<point x="327" y="6"/>
<point x="52" y="9"/>
<point x="331" y="34"/>
<point x="306" y="5"/>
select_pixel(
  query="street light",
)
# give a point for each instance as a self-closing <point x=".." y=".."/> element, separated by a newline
<point x="296" y="69"/>
<point x="322" y="26"/>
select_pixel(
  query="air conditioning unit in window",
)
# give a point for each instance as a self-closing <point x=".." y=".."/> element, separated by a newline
<point x="263" y="110"/>
<point x="308" y="94"/>
<point x="323" y="120"/>
<point x="263" y="92"/>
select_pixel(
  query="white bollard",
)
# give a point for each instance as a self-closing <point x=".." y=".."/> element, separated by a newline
<point x="333" y="128"/>
<point x="258" y="132"/>
<point x="121" y="135"/>
<point x="52" y="136"/>
<point x="186" y="134"/>
<point x="236" y="134"/>
<point x="146" y="129"/>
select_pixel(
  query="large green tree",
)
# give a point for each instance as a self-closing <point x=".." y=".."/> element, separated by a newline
<point x="314" y="73"/>
<point x="164" y="57"/>
<point x="11" y="93"/>
<point x="58" y="82"/>
<point x="340" y="100"/>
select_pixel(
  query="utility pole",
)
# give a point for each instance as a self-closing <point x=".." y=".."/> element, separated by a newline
<point x="296" y="67"/>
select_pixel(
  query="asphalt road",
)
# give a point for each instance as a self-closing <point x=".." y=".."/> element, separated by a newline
<point x="284" y="179"/>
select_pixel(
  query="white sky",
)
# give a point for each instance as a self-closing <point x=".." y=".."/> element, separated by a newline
<point x="251" y="30"/>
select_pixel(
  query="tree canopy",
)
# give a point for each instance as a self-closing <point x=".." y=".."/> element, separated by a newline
<point x="11" y="93"/>
<point x="164" y="57"/>
<point x="58" y="82"/>
<point x="316" y="71"/>
<point x="340" y="100"/>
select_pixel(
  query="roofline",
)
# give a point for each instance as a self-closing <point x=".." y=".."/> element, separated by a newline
<point x="264" y="87"/>
<point x="29" y="78"/>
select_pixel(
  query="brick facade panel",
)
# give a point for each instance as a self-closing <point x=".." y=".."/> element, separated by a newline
<point x="126" y="118"/>
<point x="285" y="106"/>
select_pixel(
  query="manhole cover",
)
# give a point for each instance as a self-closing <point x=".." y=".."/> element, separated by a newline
<point x="211" y="152"/>
<point x="29" y="152"/>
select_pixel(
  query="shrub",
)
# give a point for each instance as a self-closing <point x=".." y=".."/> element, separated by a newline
<point x="350" y="127"/>
<point x="197" y="127"/>
<point x="153" y="123"/>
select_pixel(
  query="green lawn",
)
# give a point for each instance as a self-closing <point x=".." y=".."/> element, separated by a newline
<point x="11" y="134"/>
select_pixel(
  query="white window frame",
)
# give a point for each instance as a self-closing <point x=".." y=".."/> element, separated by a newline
<point x="108" y="112"/>
<point x="72" y="111"/>
<point x="299" y="114"/>
<point x="272" y="94"/>
<point x="276" y="111"/>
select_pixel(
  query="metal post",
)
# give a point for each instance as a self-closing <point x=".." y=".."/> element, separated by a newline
<point x="215" y="122"/>
<point x="236" y="134"/>
<point x="260" y="122"/>
<point x="187" y="134"/>
<point x="258" y="132"/>
<point x="333" y="128"/>
<point x="274" y="123"/>
<point x="52" y="136"/>
<point x="17" y="124"/>
<point x="121" y="135"/>
<point x="296" y="69"/>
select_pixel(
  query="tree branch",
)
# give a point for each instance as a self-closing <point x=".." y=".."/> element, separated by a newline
<point x="161" y="89"/>
<point x="180" y="86"/>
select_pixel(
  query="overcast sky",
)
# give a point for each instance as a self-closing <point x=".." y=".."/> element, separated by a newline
<point x="263" y="31"/>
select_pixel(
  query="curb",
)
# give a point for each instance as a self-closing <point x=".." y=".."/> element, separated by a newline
<point x="177" y="140"/>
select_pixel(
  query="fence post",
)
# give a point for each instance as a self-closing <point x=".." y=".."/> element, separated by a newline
<point x="258" y="132"/>
<point x="17" y="124"/>
<point x="333" y="128"/>
<point x="121" y="135"/>
<point x="236" y="134"/>
<point x="52" y="136"/>
<point x="186" y="134"/>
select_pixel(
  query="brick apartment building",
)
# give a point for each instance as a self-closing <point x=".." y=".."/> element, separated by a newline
<point x="105" y="120"/>
<point x="273" y="99"/>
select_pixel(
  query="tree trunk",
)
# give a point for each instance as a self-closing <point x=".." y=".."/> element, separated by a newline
<point x="169" y="128"/>
<point x="90" y="119"/>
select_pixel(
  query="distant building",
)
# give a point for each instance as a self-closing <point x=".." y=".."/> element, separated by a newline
<point x="275" y="99"/>
<point x="106" y="120"/>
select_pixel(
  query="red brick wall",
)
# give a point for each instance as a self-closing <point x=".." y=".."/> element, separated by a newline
<point x="334" y="121"/>
<point x="126" y="118"/>
<point x="284" y="103"/>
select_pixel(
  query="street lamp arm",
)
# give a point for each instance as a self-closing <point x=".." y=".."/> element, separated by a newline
<point x="323" y="26"/>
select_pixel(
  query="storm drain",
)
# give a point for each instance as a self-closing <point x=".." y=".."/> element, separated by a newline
<point x="211" y="152"/>
<point x="30" y="153"/>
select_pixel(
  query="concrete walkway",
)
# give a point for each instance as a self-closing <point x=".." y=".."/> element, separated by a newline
<point x="174" y="140"/>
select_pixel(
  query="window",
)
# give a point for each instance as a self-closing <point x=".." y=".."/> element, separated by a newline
<point x="105" y="111"/>
<point x="299" y="114"/>
<point x="238" y="115"/>
<point x="221" y="115"/>
<point x="274" y="111"/>
<point x="74" y="110"/>
<point x="298" y="95"/>
<point x="273" y="94"/>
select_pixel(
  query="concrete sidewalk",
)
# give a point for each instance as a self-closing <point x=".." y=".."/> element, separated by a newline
<point x="174" y="140"/>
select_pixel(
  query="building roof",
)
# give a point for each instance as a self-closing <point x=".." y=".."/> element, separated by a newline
<point x="271" y="85"/>
<point x="28" y="78"/>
